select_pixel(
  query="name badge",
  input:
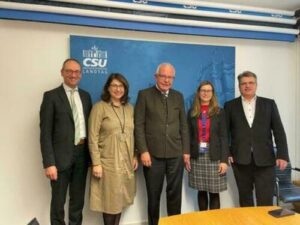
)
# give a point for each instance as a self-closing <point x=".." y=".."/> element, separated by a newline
<point x="203" y="147"/>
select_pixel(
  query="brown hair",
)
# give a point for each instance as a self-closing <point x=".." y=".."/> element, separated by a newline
<point x="105" y="96"/>
<point x="246" y="74"/>
<point x="213" y="107"/>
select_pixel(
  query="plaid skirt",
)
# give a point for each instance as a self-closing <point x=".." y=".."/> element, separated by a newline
<point x="204" y="175"/>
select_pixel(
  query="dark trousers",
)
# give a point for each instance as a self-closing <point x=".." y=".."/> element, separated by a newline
<point x="251" y="176"/>
<point x="74" y="178"/>
<point x="173" y="170"/>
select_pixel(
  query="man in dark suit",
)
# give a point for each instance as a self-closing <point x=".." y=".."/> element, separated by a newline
<point x="251" y="122"/>
<point x="63" y="118"/>
<point x="161" y="136"/>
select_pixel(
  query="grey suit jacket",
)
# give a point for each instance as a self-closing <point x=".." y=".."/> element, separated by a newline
<point x="258" y="138"/>
<point x="57" y="127"/>
<point x="218" y="144"/>
<point x="160" y="124"/>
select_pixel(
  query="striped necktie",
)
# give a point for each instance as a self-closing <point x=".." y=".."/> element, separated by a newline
<point x="75" y="117"/>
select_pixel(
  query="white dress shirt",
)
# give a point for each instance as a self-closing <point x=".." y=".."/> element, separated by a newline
<point x="79" y="108"/>
<point x="249" y="109"/>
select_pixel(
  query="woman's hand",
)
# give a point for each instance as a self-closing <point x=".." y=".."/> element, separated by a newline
<point x="222" y="168"/>
<point x="97" y="171"/>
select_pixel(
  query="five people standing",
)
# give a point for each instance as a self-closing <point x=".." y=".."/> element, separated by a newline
<point x="165" y="140"/>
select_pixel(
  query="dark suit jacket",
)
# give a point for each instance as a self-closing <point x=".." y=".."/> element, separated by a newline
<point x="259" y="137"/>
<point x="218" y="145"/>
<point x="161" y="125"/>
<point x="57" y="127"/>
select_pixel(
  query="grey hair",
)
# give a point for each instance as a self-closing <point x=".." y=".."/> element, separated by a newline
<point x="165" y="64"/>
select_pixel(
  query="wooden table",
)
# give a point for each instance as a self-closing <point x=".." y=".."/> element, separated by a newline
<point x="232" y="216"/>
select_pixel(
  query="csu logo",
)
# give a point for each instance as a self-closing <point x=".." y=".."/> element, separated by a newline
<point x="90" y="62"/>
<point x="94" y="61"/>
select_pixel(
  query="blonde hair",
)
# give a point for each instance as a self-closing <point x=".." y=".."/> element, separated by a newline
<point x="213" y="107"/>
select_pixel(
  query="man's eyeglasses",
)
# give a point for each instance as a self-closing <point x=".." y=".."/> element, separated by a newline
<point x="165" y="77"/>
<point x="70" y="72"/>
<point x="251" y="83"/>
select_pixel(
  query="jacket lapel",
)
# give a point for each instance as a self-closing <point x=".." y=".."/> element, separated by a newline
<point x="195" y="127"/>
<point x="213" y="120"/>
<point x="257" y="110"/>
<point x="241" y="111"/>
<point x="84" y="104"/>
<point x="63" y="96"/>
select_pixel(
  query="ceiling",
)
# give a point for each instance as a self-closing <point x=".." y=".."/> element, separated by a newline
<point x="271" y="4"/>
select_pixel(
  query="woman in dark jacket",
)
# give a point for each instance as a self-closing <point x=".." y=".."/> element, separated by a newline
<point x="209" y="147"/>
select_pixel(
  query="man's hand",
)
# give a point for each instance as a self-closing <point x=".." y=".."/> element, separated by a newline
<point x="51" y="172"/>
<point x="146" y="159"/>
<point x="281" y="163"/>
<point x="97" y="171"/>
<point x="187" y="162"/>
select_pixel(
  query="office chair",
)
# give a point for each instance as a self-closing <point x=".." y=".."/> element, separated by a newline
<point x="285" y="190"/>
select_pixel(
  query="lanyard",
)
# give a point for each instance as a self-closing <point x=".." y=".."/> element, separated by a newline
<point x="121" y="125"/>
<point x="203" y="125"/>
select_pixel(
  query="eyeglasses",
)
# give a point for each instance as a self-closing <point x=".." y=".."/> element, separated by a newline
<point x="116" y="86"/>
<point x="248" y="83"/>
<point x="165" y="77"/>
<point x="205" y="91"/>
<point x="70" y="72"/>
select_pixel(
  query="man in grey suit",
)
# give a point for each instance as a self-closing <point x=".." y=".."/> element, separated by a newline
<point x="161" y="136"/>
<point x="63" y="118"/>
<point x="251" y="122"/>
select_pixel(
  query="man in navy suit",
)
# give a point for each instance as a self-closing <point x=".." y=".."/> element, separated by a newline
<point x="252" y="121"/>
<point x="63" y="121"/>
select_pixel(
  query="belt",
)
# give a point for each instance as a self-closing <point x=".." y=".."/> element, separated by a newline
<point x="81" y="141"/>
